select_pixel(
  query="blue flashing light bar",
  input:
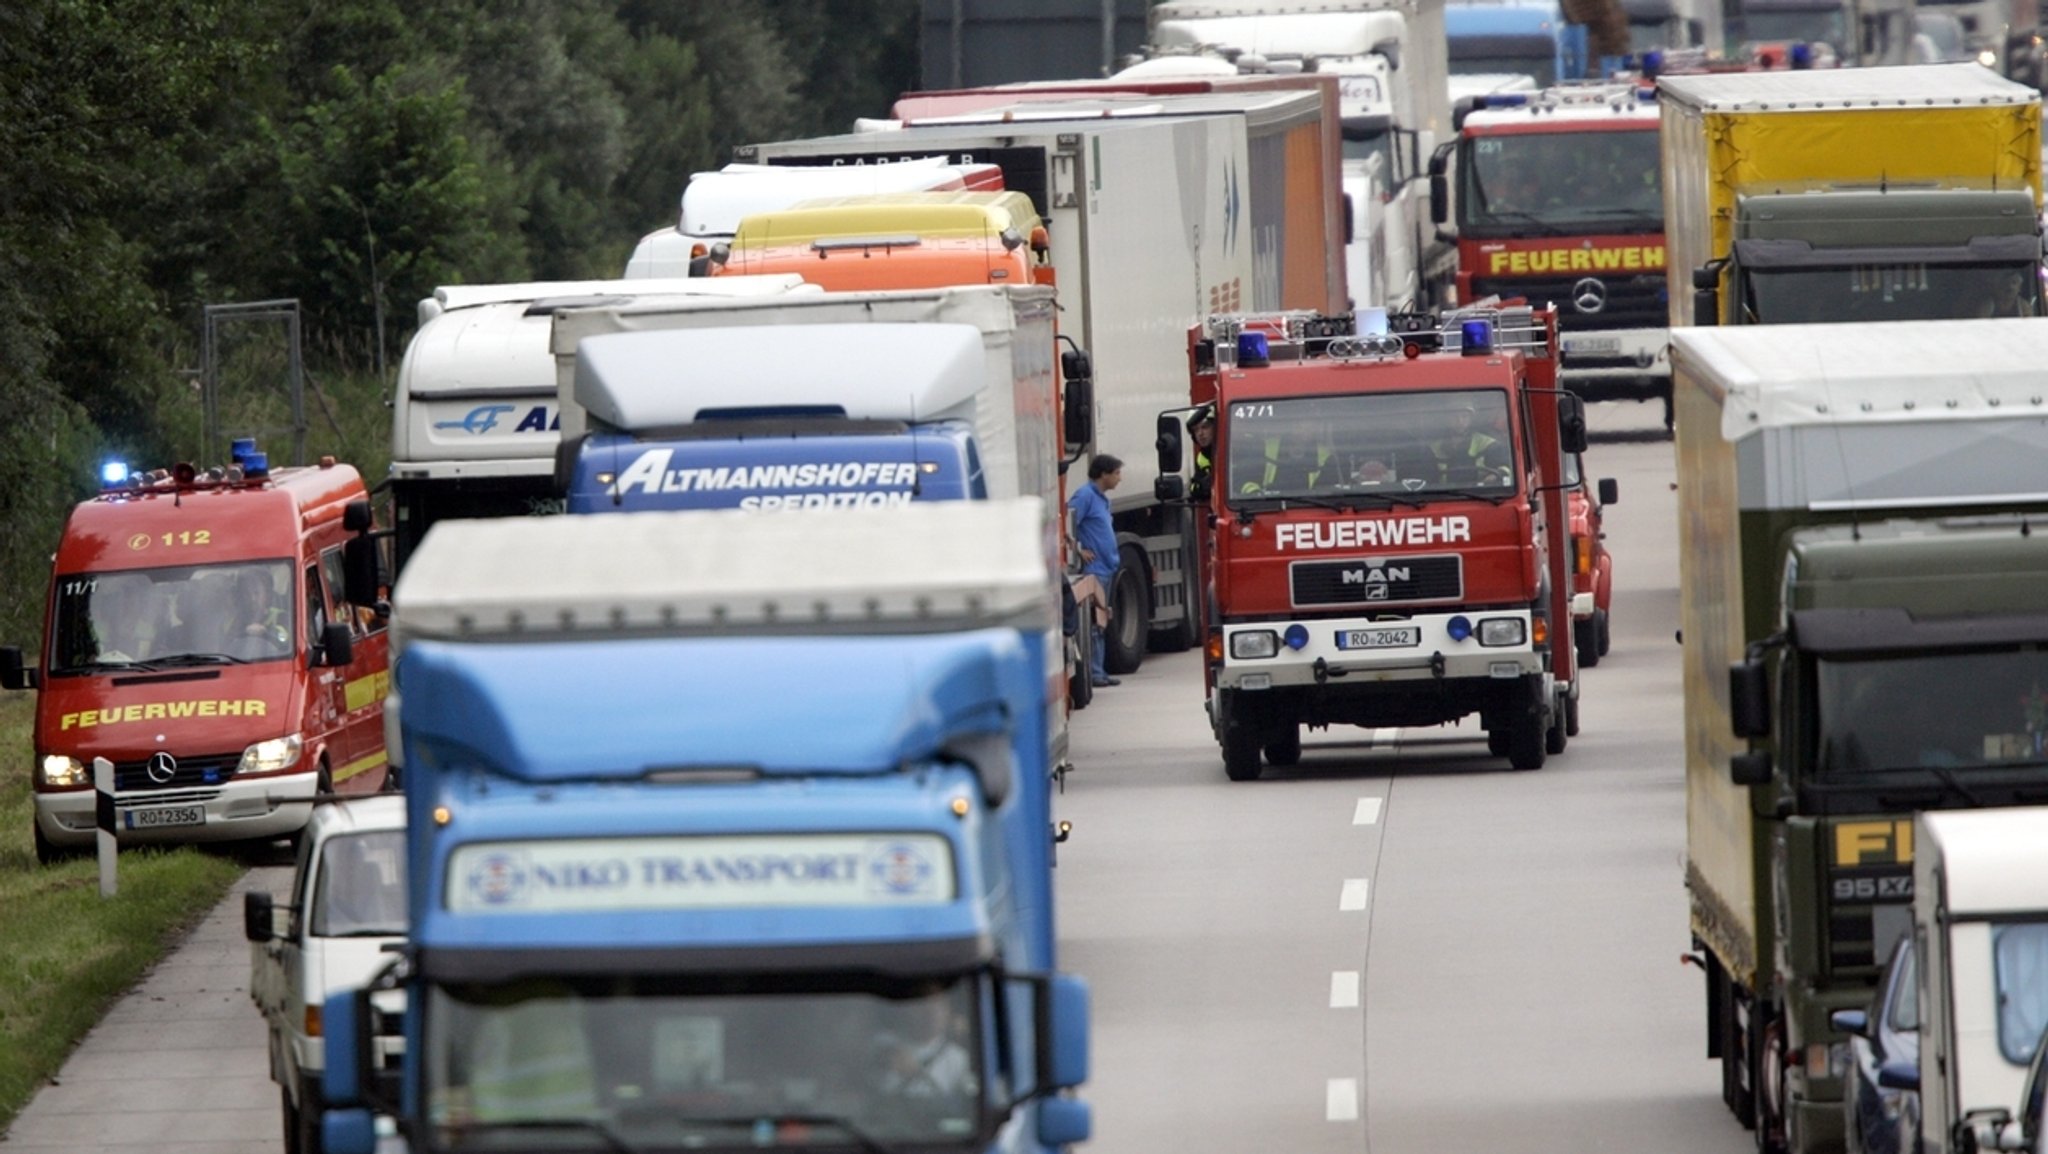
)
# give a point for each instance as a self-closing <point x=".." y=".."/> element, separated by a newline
<point x="113" y="474"/>
<point x="1504" y="100"/>
<point x="1252" y="351"/>
<point x="1475" y="337"/>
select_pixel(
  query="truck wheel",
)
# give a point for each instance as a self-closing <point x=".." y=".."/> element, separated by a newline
<point x="1528" y="740"/>
<point x="1283" y="746"/>
<point x="1600" y="627"/>
<point x="1554" y="735"/>
<point x="1586" y="639"/>
<point x="1080" y="682"/>
<point x="306" y="1118"/>
<point x="1497" y="741"/>
<point x="1240" y="740"/>
<point x="1767" y="1080"/>
<point x="49" y="852"/>
<point x="1130" y="617"/>
<point x="1571" y="715"/>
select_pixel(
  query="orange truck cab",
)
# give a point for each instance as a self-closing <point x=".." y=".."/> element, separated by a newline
<point x="901" y="240"/>
<point x="215" y="635"/>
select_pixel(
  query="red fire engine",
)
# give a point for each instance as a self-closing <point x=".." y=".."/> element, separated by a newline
<point x="213" y="635"/>
<point x="1389" y="542"/>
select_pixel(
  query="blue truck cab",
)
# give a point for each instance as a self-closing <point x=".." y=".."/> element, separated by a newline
<point x="1526" y="37"/>
<point x="824" y="416"/>
<point x="738" y="846"/>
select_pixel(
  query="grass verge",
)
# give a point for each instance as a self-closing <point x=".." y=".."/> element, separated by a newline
<point x="66" y="954"/>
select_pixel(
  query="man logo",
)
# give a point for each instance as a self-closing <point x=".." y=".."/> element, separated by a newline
<point x="1377" y="575"/>
<point x="1589" y="295"/>
<point x="162" y="767"/>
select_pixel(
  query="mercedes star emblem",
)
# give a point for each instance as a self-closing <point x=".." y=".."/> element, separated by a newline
<point x="162" y="768"/>
<point x="1589" y="295"/>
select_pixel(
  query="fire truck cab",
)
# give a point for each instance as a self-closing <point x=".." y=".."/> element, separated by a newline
<point x="217" y="636"/>
<point x="1389" y="543"/>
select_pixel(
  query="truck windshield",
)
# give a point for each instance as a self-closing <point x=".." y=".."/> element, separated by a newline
<point x="1891" y="293"/>
<point x="1532" y="56"/>
<point x="228" y="613"/>
<point x="665" y="1062"/>
<point x="1956" y="710"/>
<point x="361" y="889"/>
<point x="2019" y="959"/>
<point x="1404" y="446"/>
<point x="1550" y="183"/>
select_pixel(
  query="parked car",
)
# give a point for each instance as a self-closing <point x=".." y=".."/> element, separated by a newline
<point x="1594" y="565"/>
<point x="1882" y="1120"/>
<point x="347" y="904"/>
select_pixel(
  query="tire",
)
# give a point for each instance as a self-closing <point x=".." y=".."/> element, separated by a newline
<point x="49" y="852"/>
<point x="294" y="1127"/>
<point x="1600" y="627"/>
<point x="1767" y="1077"/>
<point x="1555" y="736"/>
<point x="1497" y="741"/>
<point x="1283" y="746"/>
<point x="1081" y="682"/>
<point x="1528" y="741"/>
<point x="306" y="1118"/>
<point x="1586" y="640"/>
<point x="1571" y="716"/>
<point x="1240" y="741"/>
<point x="1130" y="619"/>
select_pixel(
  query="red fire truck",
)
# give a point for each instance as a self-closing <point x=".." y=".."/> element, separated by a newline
<point x="216" y="636"/>
<point x="1389" y="542"/>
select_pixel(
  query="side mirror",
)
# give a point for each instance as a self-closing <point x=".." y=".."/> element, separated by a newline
<point x="1571" y="423"/>
<point x="1610" y="491"/>
<point x="13" y="674"/>
<point x="1855" y="1022"/>
<point x="355" y="517"/>
<point x="1169" y="487"/>
<point x="341" y="1083"/>
<point x="1063" y="1122"/>
<point x="1750" y="768"/>
<point x="259" y="923"/>
<point x="1168" y="443"/>
<point x="1900" y="1075"/>
<point x="1749" y="699"/>
<point x="1706" y="294"/>
<point x="352" y="1131"/>
<point x="1063" y="1045"/>
<point x="359" y="572"/>
<point x="1078" y="415"/>
<point x="1350" y="220"/>
<point x="1439" y="198"/>
<point x="337" y="645"/>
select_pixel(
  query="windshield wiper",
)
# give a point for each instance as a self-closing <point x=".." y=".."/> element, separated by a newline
<point x="1949" y="779"/>
<point x="861" y="1137"/>
<point x="1494" y="495"/>
<point x="198" y="659"/>
<point x="105" y="667"/>
<point x="1536" y="224"/>
<point x="1390" y="498"/>
<point x="592" y="1125"/>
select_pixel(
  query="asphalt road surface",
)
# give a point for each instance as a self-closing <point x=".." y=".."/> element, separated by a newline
<point x="1401" y="944"/>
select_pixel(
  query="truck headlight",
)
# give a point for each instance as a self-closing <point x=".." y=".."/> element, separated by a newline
<point x="1254" y="643"/>
<point x="271" y="756"/>
<point x="59" y="770"/>
<point x="1503" y="631"/>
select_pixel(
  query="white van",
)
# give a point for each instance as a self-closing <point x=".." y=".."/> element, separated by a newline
<point x="347" y="904"/>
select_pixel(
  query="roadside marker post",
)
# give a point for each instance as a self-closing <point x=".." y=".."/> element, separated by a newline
<point x="103" y="811"/>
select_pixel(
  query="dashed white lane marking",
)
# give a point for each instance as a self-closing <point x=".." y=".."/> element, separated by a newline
<point x="1341" y="1100"/>
<point x="1368" y="811"/>
<point x="1353" y="895"/>
<point x="1344" y="988"/>
<point x="1384" y="738"/>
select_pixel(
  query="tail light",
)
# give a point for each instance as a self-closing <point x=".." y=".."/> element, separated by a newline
<point x="1584" y="547"/>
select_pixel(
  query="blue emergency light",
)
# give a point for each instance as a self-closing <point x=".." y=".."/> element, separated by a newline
<point x="255" y="464"/>
<point x="241" y="448"/>
<point x="1251" y="350"/>
<point x="113" y="473"/>
<point x="1296" y="636"/>
<point x="1475" y="337"/>
<point x="1459" y="627"/>
<point x="1802" y="55"/>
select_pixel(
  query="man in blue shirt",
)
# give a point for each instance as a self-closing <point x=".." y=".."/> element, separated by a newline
<point x="1097" y="540"/>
